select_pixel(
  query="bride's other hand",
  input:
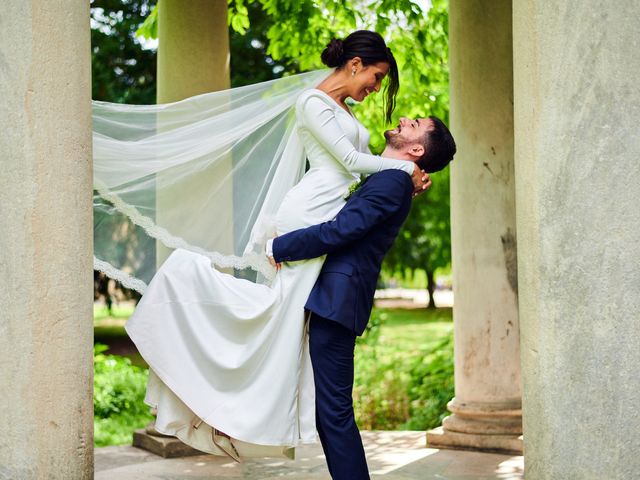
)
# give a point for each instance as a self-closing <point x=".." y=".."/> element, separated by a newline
<point x="421" y="181"/>
<point x="269" y="253"/>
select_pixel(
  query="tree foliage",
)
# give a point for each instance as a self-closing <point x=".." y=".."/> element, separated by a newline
<point x="122" y="71"/>
<point x="250" y="60"/>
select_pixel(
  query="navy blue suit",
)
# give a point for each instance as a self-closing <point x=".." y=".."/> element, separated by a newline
<point x="341" y="301"/>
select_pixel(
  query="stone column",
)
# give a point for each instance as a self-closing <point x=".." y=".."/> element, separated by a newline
<point x="577" y="111"/>
<point x="46" y="313"/>
<point x="193" y="50"/>
<point x="193" y="58"/>
<point x="486" y="409"/>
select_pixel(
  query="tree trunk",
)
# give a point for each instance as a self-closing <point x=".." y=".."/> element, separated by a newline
<point x="431" y="287"/>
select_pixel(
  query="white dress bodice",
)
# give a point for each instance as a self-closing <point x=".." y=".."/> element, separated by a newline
<point x="336" y="146"/>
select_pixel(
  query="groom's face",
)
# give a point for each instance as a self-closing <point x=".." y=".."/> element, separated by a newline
<point x="408" y="132"/>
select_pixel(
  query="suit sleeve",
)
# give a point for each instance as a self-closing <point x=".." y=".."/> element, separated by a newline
<point x="377" y="200"/>
<point x="320" y="119"/>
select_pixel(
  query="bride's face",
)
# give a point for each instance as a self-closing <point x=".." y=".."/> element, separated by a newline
<point x="367" y="79"/>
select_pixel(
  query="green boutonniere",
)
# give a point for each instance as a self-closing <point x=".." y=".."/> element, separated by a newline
<point x="353" y="187"/>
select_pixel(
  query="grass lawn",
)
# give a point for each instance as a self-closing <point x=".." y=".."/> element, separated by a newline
<point x="415" y="327"/>
<point x="118" y="313"/>
<point x="110" y="326"/>
<point x="108" y="329"/>
<point x="409" y="331"/>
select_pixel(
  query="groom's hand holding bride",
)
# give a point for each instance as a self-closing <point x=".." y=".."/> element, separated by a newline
<point x="269" y="253"/>
<point x="421" y="183"/>
<point x="274" y="264"/>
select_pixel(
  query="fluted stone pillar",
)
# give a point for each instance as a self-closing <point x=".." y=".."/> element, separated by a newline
<point x="193" y="58"/>
<point x="46" y="302"/>
<point x="577" y="111"/>
<point x="486" y="409"/>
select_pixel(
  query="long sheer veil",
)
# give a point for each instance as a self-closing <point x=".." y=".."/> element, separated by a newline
<point x="206" y="174"/>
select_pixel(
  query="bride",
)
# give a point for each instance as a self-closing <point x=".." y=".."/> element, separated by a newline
<point x="230" y="371"/>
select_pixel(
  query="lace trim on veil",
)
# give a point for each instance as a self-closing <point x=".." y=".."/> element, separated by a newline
<point x="253" y="260"/>
<point x="124" y="278"/>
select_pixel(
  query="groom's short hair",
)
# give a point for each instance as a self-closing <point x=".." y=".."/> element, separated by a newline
<point x="439" y="147"/>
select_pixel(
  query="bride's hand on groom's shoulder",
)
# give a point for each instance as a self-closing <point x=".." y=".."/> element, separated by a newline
<point x="421" y="181"/>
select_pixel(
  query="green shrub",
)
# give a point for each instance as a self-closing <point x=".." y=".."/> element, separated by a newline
<point x="118" y="398"/>
<point x="431" y="386"/>
<point x="397" y="385"/>
<point x="380" y="394"/>
<point x="380" y="390"/>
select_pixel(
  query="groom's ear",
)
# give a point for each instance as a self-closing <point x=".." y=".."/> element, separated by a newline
<point x="416" y="150"/>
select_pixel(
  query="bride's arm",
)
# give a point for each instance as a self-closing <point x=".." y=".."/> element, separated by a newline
<point x="319" y="118"/>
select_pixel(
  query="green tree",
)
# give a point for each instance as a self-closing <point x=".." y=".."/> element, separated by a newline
<point x="250" y="61"/>
<point x="122" y="70"/>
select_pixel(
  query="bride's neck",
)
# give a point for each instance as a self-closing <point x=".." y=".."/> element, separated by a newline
<point x="335" y="86"/>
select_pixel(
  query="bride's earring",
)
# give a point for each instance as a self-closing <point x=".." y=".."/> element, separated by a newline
<point x="353" y="72"/>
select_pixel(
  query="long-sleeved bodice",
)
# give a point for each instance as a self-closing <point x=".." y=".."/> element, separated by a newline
<point x="333" y="138"/>
<point x="336" y="146"/>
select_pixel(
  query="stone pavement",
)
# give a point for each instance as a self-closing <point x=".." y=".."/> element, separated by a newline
<point x="391" y="455"/>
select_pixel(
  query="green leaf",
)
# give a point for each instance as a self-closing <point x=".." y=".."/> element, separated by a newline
<point x="149" y="28"/>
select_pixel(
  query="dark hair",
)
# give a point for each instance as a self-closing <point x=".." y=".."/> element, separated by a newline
<point x="439" y="147"/>
<point x="371" y="48"/>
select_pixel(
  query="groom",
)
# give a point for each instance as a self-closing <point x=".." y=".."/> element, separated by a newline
<point x="341" y="300"/>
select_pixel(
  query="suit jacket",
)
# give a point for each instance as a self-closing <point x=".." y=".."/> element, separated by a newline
<point x="356" y="242"/>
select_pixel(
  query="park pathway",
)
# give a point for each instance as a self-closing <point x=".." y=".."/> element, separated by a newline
<point x="391" y="455"/>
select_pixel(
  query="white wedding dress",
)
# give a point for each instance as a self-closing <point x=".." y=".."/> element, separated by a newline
<point x="231" y="352"/>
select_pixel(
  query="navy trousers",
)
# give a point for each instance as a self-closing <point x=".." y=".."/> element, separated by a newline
<point x="331" y="347"/>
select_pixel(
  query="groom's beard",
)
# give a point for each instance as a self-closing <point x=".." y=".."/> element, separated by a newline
<point x="394" y="140"/>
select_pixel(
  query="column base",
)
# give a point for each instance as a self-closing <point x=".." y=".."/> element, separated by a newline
<point x="163" y="445"/>
<point x="482" y="426"/>
<point x="496" y="443"/>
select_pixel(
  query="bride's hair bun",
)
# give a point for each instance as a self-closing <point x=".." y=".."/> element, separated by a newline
<point x="333" y="55"/>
